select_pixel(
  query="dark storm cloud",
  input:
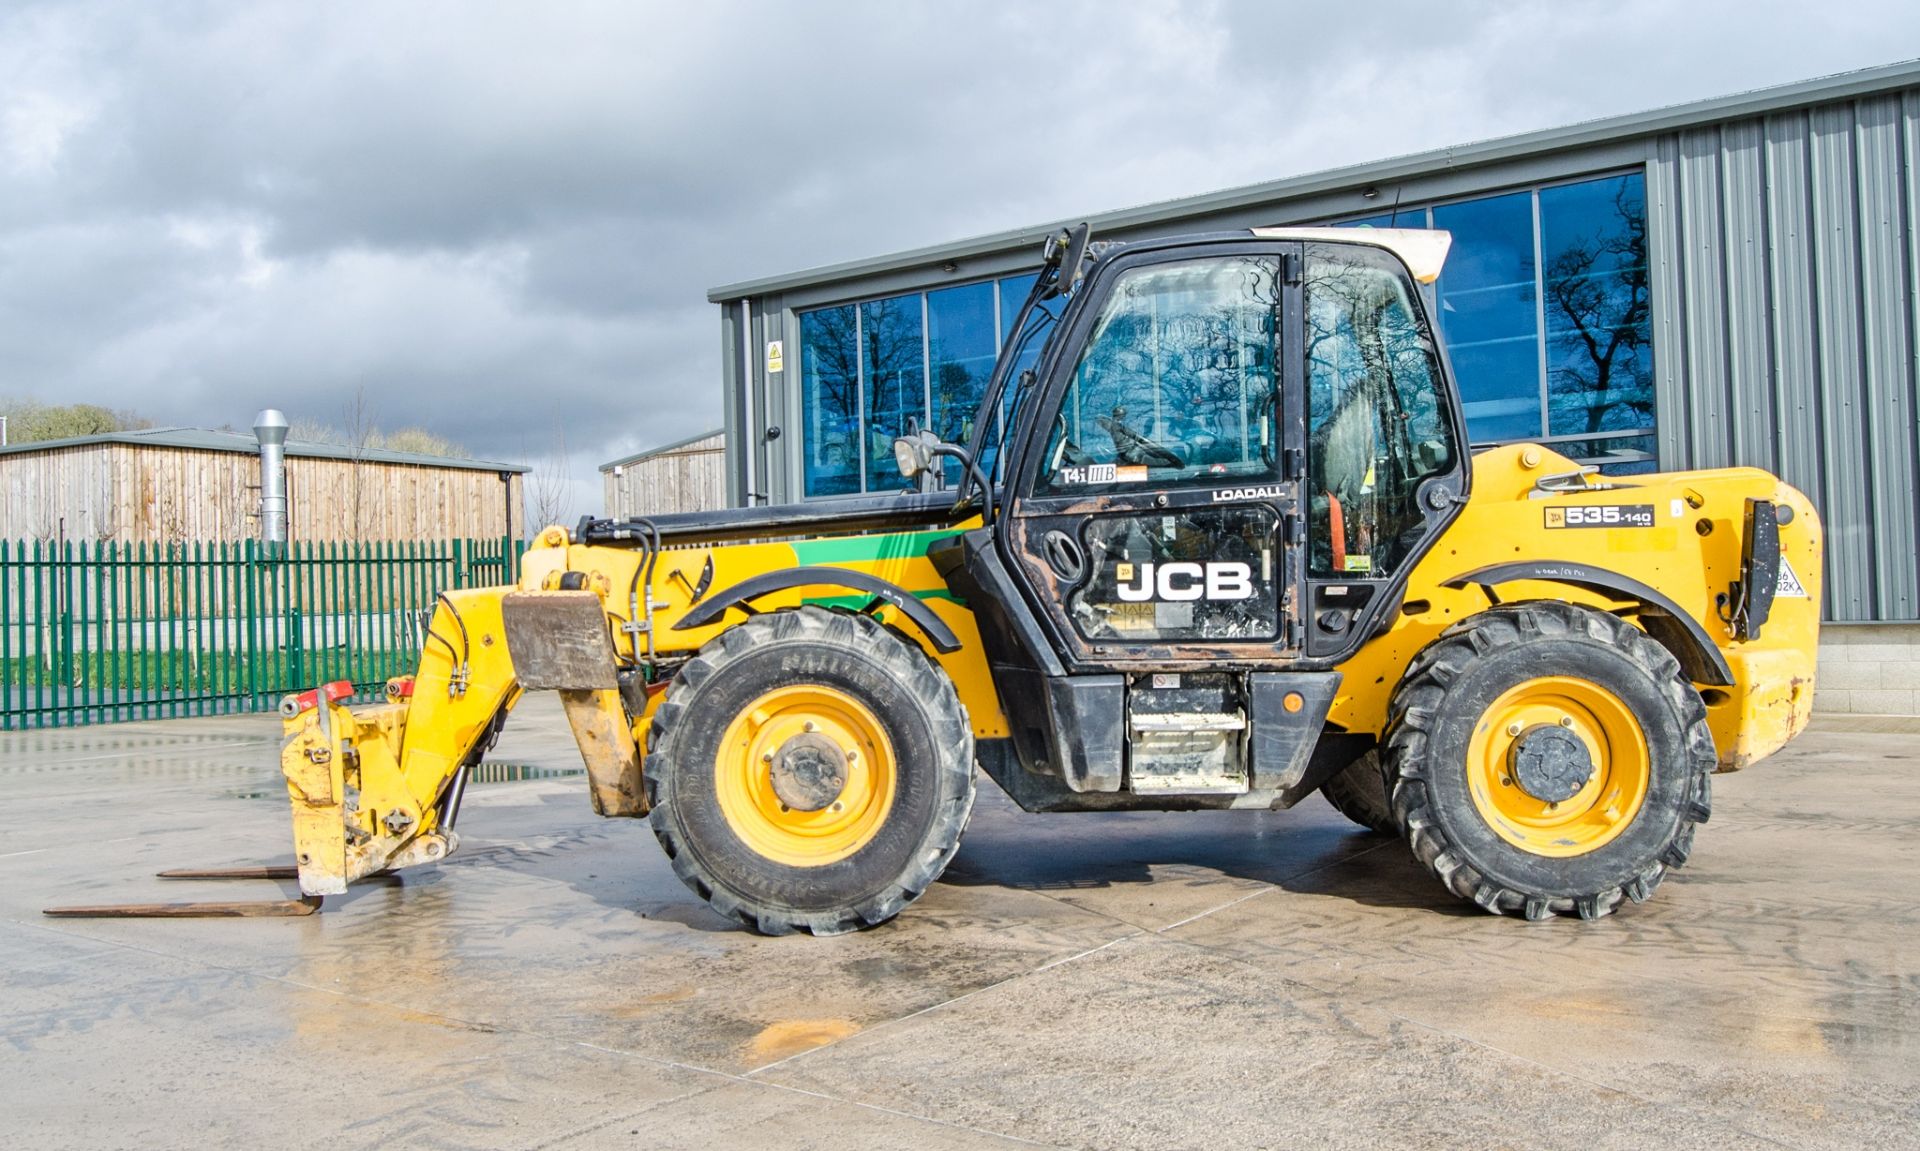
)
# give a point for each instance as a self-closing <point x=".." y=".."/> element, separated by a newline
<point x="499" y="221"/>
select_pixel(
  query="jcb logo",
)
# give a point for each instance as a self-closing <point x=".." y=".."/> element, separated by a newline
<point x="1186" y="581"/>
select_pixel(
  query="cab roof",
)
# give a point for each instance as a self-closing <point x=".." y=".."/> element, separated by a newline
<point x="1423" y="250"/>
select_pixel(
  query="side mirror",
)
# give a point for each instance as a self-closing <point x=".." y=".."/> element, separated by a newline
<point x="1072" y="249"/>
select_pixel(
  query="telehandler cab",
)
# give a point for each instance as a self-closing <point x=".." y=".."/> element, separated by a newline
<point x="1222" y="546"/>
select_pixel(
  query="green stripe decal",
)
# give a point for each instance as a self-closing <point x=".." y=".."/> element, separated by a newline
<point x="870" y="548"/>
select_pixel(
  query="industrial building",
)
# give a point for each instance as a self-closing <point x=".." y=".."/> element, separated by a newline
<point x="163" y="485"/>
<point x="1729" y="282"/>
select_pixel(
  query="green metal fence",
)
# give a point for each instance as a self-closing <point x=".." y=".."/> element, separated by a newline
<point x="103" y="632"/>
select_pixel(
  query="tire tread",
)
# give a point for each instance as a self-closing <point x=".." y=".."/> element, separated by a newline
<point x="1422" y="694"/>
<point x="905" y="662"/>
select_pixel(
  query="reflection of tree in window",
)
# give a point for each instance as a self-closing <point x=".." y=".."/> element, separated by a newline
<point x="1599" y="328"/>
<point x="1178" y="375"/>
<point x="891" y="354"/>
<point x="1376" y="424"/>
<point x="830" y="401"/>
<point x="953" y="384"/>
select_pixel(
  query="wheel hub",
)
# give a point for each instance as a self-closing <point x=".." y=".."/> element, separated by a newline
<point x="1550" y="763"/>
<point x="809" y="771"/>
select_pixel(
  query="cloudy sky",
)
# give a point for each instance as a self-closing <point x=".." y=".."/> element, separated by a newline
<point x="499" y="221"/>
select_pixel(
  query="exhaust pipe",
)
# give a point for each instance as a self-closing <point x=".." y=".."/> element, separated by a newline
<point x="270" y="428"/>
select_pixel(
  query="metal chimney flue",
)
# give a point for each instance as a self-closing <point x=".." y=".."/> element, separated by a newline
<point x="270" y="428"/>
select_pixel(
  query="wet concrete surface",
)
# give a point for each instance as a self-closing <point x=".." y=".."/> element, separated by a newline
<point x="1208" y="980"/>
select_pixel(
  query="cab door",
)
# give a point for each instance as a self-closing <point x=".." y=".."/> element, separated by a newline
<point x="1156" y="516"/>
<point x="1385" y="469"/>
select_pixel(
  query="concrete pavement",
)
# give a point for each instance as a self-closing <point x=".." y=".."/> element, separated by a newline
<point x="1186" y="980"/>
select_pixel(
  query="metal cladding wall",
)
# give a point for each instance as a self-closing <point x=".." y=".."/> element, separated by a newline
<point x="1786" y="265"/>
<point x="1784" y="243"/>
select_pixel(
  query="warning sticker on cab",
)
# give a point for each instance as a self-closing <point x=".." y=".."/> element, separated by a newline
<point x="1601" y="516"/>
<point x="1130" y="617"/>
<point x="1788" y="586"/>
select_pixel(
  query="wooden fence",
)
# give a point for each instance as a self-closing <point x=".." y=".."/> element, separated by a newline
<point x="686" y="477"/>
<point x="101" y="632"/>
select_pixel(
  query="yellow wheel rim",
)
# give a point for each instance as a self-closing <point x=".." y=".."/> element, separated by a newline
<point x="797" y="747"/>
<point x="1531" y="722"/>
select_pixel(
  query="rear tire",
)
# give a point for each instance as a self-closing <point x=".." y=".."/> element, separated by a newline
<point x="1547" y="759"/>
<point x="1359" y="792"/>
<point x="809" y="770"/>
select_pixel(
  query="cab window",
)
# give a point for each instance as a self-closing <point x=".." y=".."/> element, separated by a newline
<point x="1377" y="423"/>
<point x="1176" y="382"/>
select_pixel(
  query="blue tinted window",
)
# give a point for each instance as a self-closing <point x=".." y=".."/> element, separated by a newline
<point x="893" y="370"/>
<point x="829" y="402"/>
<point x="1593" y="242"/>
<point x="1488" y="315"/>
<point x="960" y="346"/>
<point x="867" y="368"/>
<point x="1013" y="293"/>
<point x="1401" y="218"/>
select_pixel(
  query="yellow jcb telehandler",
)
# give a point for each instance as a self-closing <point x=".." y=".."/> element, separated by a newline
<point x="1222" y="546"/>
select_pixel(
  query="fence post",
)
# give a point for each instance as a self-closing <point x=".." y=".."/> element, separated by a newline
<point x="7" y="703"/>
<point x="63" y="592"/>
<point x="244" y="637"/>
<point x="292" y="577"/>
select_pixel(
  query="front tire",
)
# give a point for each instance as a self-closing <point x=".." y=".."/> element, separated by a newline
<point x="809" y="770"/>
<point x="1359" y="792"/>
<point x="1547" y="759"/>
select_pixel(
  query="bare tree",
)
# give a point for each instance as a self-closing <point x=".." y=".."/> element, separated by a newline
<point x="358" y="418"/>
<point x="893" y="377"/>
<point x="832" y="365"/>
<point x="1599" y="286"/>
<point x="414" y="440"/>
<point x="550" y="487"/>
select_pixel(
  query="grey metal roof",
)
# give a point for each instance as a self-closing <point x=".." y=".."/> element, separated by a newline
<point x="213" y="440"/>
<point x="1610" y="129"/>
<point x="717" y="433"/>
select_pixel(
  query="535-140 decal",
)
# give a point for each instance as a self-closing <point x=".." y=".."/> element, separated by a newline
<point x="1601" y="516"/>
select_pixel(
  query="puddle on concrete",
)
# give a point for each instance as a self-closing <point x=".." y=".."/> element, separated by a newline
<point x="792" y="1036"/>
